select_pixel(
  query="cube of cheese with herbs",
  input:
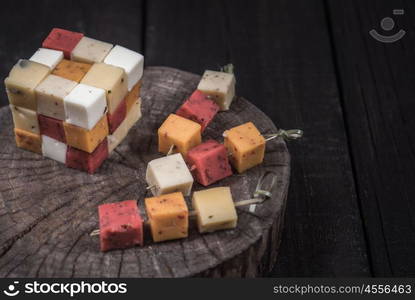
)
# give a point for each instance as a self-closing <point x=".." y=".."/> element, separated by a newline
<point x="54" y="149"/>
<point x="199" y="108"/>
<point x="131" y="61"/>
<point x="120" y="225"/>
<point x="28" y="140"/>
<point x="115" y="119"/>
<point x="132" y="96"/>
<point x="121" y="132"/>
<point x="169" y="174"/>
<point x="110" y="78"/>
<point x="246" y="146"/>
<point x="62" y="40"/>
<point x="84" y="106"/>
<point x="90" y="50"/>
<point x="52" y="127"/>
<point x="168" y="216"/>
<point x="71" y="70"/>
<point x="50" y="94"/>
<point x="86" y="140"/>
<point x="84" y="161"/>
<point x="215" y="209"/>
<point x="25" y="119"/>
<point x="47" y="57"/>
<point x="180" y="133"/>
<point x="209" y="162"/>
<point x="219" y="86"/>
<point x="22" y="81"/>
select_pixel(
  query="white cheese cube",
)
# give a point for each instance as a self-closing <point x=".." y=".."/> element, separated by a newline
<point x="169" y="174"/>
<point x="47" y="57"/>
<point x="90" y="50"/>
<point x="219" y="86"/>
<point x="25" y="119"/>
<point x="121" y="132"/>
<point x="85" y="105"/>
<point x="50" y="94"/>
<point x="215" y="209"/>
<point x="132" y="63"/>
<point x="54" y="149"/>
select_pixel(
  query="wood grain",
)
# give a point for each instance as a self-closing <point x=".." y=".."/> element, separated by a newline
<point x="376" y="82"/>
<point x="47" y="210"/>
<point x="283" y="63"/>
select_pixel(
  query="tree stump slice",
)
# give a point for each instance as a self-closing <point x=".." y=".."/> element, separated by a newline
<point x="47" y="210"/>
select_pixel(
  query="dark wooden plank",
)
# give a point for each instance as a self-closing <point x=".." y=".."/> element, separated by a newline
<point x="378" y="92"/>
<point x="47" y="210"/>
<point x="281" y="50"/>
<point x="24" y="24"/>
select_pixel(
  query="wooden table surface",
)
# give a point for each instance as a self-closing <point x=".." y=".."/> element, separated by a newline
<point x="307" y="64"/>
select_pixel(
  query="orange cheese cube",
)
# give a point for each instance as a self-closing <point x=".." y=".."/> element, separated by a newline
<point x="132" y="96"/>
<point x="168" y="215"/>
<point x="180" y="132"/>
<point x="246" y="146"/>
<point x="71" y="70"/>
<point x="86" y="140"/>
<point x="28" y="140"/>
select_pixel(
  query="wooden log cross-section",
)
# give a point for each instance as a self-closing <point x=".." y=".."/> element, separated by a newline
<point x="47" y="210"/>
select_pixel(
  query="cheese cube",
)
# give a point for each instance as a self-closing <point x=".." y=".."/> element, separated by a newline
<point x="132" y="96"/>
<point x="180" y="132"/>
<point x="71" y="70"/>
<point x="121" y="132"/>
<point x="25" y="119"/>
<point x="210" y="160"/>
<point x="22" y="81"/>
<point x="50" y="94"/>
<point x="28" y="140"/>
<point x="120" y="225"/>
<point x="111" y="79"/>
<point x="52" y="128"/>
<point x="168" y="216"/>
<point x="215" y="209"/>
<point x="131" y="61"/>
<point x="47" y="57"/>
<point x="54" y="149"/>
<point x="219" y="86"/>
<point x="169" y="174"/>
<point x="199" y="108"/>
<point x="116" y="118"/>
<point x="84" y="161"/>
<point x="86" y="140"/>
<point x="84" y="106"/>
<point x="246" y="146"/>
<point x="90" y="50"/>
<point x="62" y="40"/>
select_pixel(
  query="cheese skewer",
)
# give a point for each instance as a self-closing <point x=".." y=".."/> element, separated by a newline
<point x="260" y="195"/>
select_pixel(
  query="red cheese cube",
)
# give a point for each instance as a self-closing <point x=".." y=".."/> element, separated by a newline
<point x="52" y="128"/>
<point x="85" y="161"/>
<point x="120" y="225"/>
<point x="199" y="108"/>
<point x="63" y="40"/>
<point x="115" y="119"/>
<point x="209" y="162"/>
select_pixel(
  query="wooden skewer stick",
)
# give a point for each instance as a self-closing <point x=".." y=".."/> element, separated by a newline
<point x="171" y="149"/>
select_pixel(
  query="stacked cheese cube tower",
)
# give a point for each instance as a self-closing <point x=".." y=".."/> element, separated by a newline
<point x="75" y="99"/>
